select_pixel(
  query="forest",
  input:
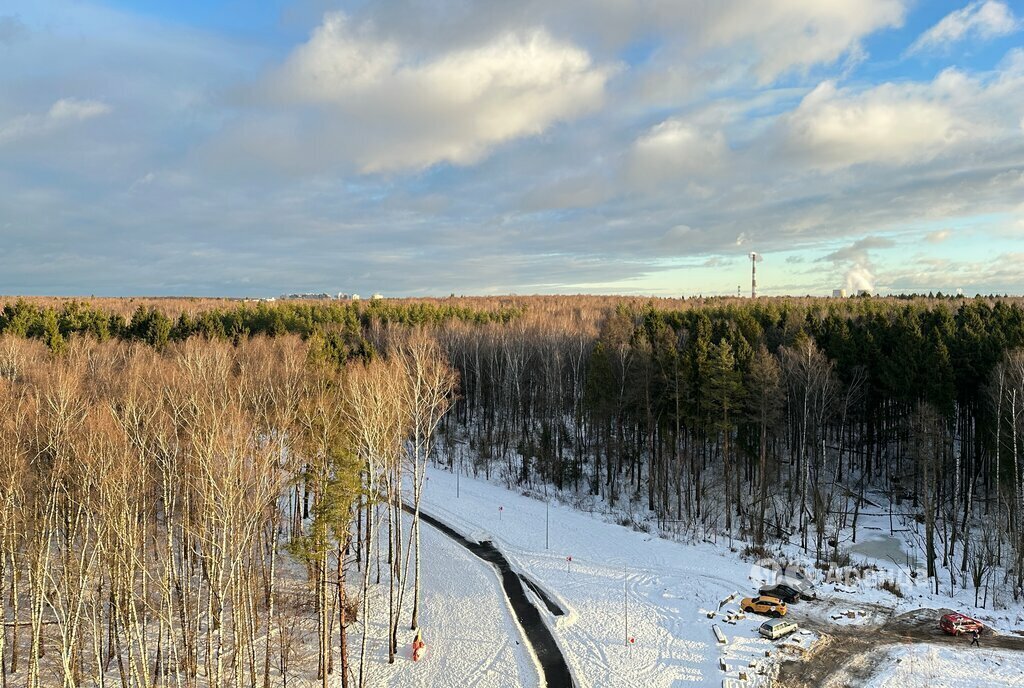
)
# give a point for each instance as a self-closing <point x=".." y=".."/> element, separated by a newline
<point x="163" y="467"/>
<point x="153" y="506"/>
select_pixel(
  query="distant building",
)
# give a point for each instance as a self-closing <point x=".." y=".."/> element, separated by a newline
<point x="313" y="296"/>
<point x="376" y="297"/>
<point x="355" y="297"/>
<point x="838" y="293"/>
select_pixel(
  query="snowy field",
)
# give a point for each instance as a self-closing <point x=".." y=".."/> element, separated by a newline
<point x="636" y="604"/>
<point x="472" y="639"/>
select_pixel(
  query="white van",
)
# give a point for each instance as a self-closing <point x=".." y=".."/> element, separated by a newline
<point x="776" y="628"/>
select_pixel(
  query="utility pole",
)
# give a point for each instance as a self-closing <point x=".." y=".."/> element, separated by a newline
<point x="547" y="518"/>
<point x="625" y="599"/>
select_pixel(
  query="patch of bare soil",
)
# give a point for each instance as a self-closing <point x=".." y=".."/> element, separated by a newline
<point x="846" y="658"/>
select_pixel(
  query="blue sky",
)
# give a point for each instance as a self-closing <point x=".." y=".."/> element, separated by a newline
<point x="413" y="147"/>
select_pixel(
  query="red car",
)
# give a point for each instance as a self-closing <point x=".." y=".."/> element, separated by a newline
<point x="955" y="624"/>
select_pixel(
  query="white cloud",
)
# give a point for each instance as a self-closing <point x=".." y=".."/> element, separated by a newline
<point x="673" y="150"/>
<point x="70" y="110"/>
<point x="389" y="90"/>
<point x="982" y="19"/>
<point x="769" y="37"/>
<point x="788" y="34"/>
<point x="905" y="123"/>
<point x="62" y="113"/>
<point x="409" y="112"/>
<point x="858" y="251"/>
<point x="891" y="123"/>
<point x="997" y="273"/>
<point x="939" y="237"/>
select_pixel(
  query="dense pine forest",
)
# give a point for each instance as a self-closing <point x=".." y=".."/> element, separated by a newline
<point x="157" y="459"/>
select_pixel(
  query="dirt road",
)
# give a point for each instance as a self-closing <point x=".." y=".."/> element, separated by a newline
<point x="849" y="648"/>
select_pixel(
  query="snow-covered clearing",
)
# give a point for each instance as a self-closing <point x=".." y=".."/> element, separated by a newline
<point x="471" y="637"/>
<point x="620" y="585"/>
<point x="637" y="605"/>
<point x="891" y="548"/>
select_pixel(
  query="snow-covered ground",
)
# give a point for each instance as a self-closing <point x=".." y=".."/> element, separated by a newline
<point x="636" y="604"/>
<point x="472" y="640"/>
<point x="893" y="546"/>
<point x="930" y="666"/>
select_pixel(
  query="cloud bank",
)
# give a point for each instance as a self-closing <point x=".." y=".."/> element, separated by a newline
<point x="983" y="20"/>
<point x="494" y="146"/>
<point x="63" y="113"/>
<point x="393" y="111"/>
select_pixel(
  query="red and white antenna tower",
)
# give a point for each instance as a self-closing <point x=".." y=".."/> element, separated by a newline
<point x="755" y="258"/>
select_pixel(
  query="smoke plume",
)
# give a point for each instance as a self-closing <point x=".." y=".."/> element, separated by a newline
<point x="859" y="278"/>
<point x="855" y="261"/>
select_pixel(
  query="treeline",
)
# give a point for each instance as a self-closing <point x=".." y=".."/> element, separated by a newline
<point x="55" y="323"/>
<point x="768" y="419"/>
<point x="148" y="497"/>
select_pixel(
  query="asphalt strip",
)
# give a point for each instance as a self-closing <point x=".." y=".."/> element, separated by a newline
<point x="552" y="662"/>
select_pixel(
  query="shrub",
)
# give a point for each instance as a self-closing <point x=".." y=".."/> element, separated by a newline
<point x="757" y="552"/>
<point x="891" y="586"/>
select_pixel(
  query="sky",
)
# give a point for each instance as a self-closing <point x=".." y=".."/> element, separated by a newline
<point x="416" y="147"/>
